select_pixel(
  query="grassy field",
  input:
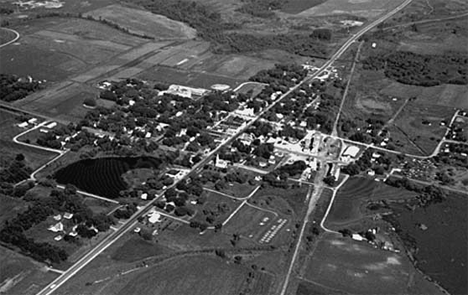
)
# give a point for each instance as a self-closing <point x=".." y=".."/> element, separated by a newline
<point x="442" y="247"/>
<point x="6" y="36"/>
<point x="21" y="275"/>
<point x="295" y="197"/>
<point x="354" y="194"/>
<point x="251" y="223"/>
<point x="135" y="248"/>
<point x="365" y="8"/>
<point x="10" y="207"/>
<point x="358" y="268"/>
<point x="35" y="158"/>
<point x="144" y="23"/>
<point x="296" y="6"/>
<point x="420" y="122"/>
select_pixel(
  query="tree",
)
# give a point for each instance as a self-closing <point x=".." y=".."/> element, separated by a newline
<point x="329" y="180"/>
<point x="90" y="102"/>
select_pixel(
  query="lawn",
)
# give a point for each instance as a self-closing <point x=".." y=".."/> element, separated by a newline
<point x="358" y="268"/>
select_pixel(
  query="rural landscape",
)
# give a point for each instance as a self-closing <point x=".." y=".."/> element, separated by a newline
<point x="248" y="147"/>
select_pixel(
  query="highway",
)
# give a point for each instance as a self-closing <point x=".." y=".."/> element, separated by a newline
<point x="113" y="236"/>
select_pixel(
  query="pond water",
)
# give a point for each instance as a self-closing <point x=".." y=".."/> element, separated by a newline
<point x="103" y="176"/>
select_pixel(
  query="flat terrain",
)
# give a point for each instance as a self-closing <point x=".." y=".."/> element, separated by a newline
<point x="343" y="265"/>
<point x="144" y="23"/>
<point x="10" y="207"/>
<point x="21" y="275"/>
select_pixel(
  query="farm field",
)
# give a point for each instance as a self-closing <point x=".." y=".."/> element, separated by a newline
<point x="420" y="122"/>
<point x="442" y="246"/>
<point x="297" y="6"/>
<point x="344" y="265"/>
<point x="144" y="22"/>
<point x="133" y="248"/>
<point x="366" y="8"/>
<point x="354" y="194"/>
<point x="102" y="176"/>
<point x="21" y="275"/>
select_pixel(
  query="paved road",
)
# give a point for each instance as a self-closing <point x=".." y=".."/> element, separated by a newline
<point x="112" y="237"/>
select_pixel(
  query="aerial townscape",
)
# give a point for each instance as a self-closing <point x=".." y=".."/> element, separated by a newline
<point x="233" y="147"/>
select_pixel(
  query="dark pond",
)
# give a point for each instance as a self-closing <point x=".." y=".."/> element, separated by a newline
<point x="440" y="232"/>
<point x="103" y="176"/>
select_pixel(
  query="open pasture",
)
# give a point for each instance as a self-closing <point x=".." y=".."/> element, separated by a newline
<point x="183" y="275"/>
<point x="356" y="267"/>
<point x="55" y="49"/>
<point x="133" y="248"/>
<point x="420" y="122"/>
<point x="144" y="23"/>
<point x="8" y="122"/>
<point x="363" y="8"/>
<point x="20" y="274"/>
<point x="355" y="193"/>
<point x="448" y="95"/>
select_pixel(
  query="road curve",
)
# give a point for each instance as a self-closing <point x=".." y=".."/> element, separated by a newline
<point x="112" y="237"/>
<point x="17" y="36"/>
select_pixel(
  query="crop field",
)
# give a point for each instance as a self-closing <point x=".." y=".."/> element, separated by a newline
<point x="144" y="23"/>
<point x="20" y="274"/>
<point x="442" y="247"/>
<point x="297" y="6"/>
<point x="355" y="193"/>
<point x="364" y="8"/>
<point x="421" y="123"/>
<point x="356" y="267"/>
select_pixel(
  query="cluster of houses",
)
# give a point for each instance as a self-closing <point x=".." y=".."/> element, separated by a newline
<point x="26" y="124"/>
<point x="60" y="228"/>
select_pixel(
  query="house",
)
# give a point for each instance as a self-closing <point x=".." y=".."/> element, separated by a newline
<point x="68" y="215"/>
<point x="220" y="163"/>
<point x="137" y="229"/>
<point x="56" y="228"/>
<point x="58" y="238"/>
<point x="351" y="151"/>
<point x="58" y="217"/>
<point x="51" y="125"/>
<point x="357" y="237"/>
<point x="144" y="196"/>
<point x="154" y="217"/>
<point x="272" y="160"/>
<point x="262" y="164"/>
<point x="22" y="125"/>
<point x="32" y="121"/>
<point x="73" y="233"/>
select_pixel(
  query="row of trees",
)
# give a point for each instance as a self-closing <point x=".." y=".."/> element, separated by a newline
<point x="14" y="88"/>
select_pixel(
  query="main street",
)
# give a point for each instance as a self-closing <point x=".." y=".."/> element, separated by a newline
<point x="113" y="236"/>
